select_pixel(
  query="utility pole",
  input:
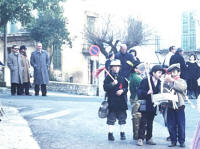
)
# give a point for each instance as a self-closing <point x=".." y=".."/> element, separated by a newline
<point x="5" y="52"/>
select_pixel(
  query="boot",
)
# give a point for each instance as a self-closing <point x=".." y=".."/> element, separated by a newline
<point x="111" y="137"/>
<point x="122" y="136"/>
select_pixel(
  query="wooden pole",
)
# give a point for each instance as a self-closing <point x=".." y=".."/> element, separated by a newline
<point x="109" y="74"/>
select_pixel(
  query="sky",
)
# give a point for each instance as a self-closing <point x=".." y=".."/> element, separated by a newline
<point x="162" y="15"/>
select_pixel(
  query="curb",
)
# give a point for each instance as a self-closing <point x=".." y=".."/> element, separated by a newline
<point x="15" y="131"/>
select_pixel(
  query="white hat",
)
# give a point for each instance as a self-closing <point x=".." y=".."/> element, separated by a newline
<point x="115" y="62"/>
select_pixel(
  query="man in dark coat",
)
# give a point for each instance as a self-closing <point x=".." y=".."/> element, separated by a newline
<point x="40" y="62"/>
<point x="144" y="93"/>
<point x="127" y="61"/>
<point x="178" y="58"/>
<point x="16" y="66"/>
<point x="116" y="88"/>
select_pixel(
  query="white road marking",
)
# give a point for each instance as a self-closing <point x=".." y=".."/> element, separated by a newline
<point x="35" y="111"/>
<point x="53" y="115"/>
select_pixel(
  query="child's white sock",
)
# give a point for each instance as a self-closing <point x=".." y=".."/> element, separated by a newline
<point x="110" y="128"/>
<point x="122" y="128"/>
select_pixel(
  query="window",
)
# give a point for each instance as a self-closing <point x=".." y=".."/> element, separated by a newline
<point x="57" y="57"/>
<point x="91" y="23"/>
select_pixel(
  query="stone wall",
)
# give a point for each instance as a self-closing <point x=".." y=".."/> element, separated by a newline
<point x="73" y="88"/>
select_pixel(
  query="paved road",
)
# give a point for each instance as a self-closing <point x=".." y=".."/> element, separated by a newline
<point x="62" y="121"/>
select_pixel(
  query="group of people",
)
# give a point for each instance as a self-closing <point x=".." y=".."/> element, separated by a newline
<point x="126" y="72"/>
<point x="19" y="66"/>
<point x="190" y="70"/>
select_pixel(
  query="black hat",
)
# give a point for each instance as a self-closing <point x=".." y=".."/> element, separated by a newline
<point x="157" y="68"/>
<point x="22" y="47"/>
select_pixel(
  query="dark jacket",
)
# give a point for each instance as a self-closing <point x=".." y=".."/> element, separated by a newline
<point x="142" y="93"/>
<point x="177" y="58"/>
<point x="115" y="102"/>
<point x="192" y="71"/>
<point x="125" y="67"/>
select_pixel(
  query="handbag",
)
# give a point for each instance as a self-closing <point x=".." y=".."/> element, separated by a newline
<point x="143" y="105"/>
<point x="103" y="109"/>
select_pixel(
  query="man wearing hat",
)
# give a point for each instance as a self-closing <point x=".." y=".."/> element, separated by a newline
<point x="176" y="115"/>
<point x="135" y="79"/>
<point x="144" y="93"/>
<point x="26" y="78"/>
<point x="16" y="66"/>
<point x="116" y="88"/>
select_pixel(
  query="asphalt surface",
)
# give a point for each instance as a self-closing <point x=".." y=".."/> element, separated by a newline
<point x="62" y="121"/>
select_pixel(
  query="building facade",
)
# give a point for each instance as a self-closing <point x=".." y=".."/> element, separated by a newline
<point x="190" y="37"/>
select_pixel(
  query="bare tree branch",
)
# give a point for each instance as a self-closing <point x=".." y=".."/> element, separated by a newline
<point x="132" y="34"/>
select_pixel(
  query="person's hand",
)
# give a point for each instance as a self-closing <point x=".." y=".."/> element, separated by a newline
<point x="150" y="92"/>
<point x="119" y="92"/>
<point x="114" y="82"/>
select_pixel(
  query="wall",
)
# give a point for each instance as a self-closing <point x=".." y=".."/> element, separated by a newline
<point x="73" y="88"/>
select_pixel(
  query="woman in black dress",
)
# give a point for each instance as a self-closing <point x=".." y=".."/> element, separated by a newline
<point x="192" y="76"/>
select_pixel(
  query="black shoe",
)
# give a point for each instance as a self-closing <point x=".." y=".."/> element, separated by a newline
<point x="44" y="95"/>
<point x="122" y="136"/>
<point x="172" y="144"/>
<point x="182" y="144"/>
<point x="36" y="94"/>
<point x="111" y="137"/>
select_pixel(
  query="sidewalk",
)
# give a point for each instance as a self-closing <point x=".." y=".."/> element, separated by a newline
<point x="15" y="132"/>
<point x="14" y="129"/>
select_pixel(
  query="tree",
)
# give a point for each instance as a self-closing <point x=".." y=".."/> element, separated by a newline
<point x="49" y="27"/>
<point x="15" y="10"/>
<point x="132" y="33"/>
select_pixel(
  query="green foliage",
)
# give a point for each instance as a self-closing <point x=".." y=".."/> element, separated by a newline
<point x="50" y="26"/>
<point x="50" y="30"/>
<point x="15" y="10"/>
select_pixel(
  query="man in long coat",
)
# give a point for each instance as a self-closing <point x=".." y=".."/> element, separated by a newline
<point x="26" y="78"/>
<point x="40" y="62"/>
<point x="15" y="64"/>
<point x="126" y="61"/>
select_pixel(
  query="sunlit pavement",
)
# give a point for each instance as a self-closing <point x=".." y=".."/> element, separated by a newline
<point x="63" y="121"/>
